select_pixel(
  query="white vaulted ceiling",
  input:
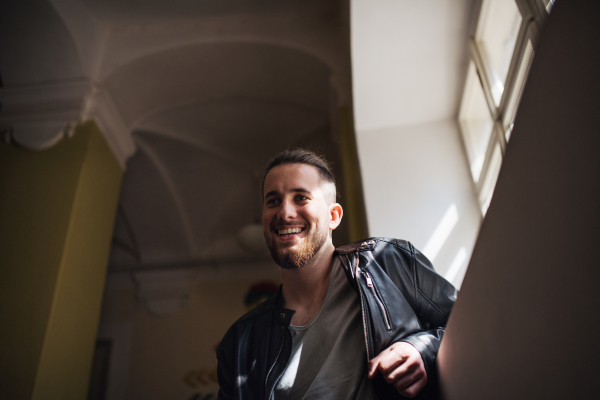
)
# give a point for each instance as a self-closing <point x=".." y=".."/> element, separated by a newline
<point x="205" y="117"/>
<point x="195" y="97"/>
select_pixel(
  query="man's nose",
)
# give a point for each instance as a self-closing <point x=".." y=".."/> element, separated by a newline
<point x="286" y="211"/>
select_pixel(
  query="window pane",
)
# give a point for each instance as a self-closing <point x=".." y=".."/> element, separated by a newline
<point x="497" y="32"/>
<point x="491" y="177"/>
<point x="475" y="122"/>
<point x="517" y="91"/>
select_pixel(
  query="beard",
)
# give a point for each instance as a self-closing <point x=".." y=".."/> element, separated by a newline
<point x="293" y="259"/>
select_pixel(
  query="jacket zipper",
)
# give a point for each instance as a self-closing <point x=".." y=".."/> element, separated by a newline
<point x="383" y="310"/>
<point x="275" y="362"/>
<point x="362" y="309"/>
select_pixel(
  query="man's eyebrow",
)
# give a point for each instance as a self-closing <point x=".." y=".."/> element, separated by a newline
<point x="272" y="193"/>
<point x="295" y="190"/>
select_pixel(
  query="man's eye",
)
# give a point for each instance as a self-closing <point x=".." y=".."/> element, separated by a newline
<point x="270" y="202"/>
<point x="301" y="198"/>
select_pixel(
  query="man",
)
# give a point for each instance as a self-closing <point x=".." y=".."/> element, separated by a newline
<point x="363" y="321"/>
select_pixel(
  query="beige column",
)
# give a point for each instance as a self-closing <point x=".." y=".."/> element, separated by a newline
<point x="57" y="210"/>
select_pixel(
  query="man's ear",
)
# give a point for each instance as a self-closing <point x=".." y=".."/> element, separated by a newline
<point x="336" y="213"/>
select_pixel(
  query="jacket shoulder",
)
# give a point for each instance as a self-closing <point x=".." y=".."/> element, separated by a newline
<point x="266" y="306"/>
<point x="250" y="318"/>
<point x="370" y="244"/>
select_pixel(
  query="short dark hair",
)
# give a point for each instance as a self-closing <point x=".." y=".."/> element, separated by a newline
<point x="304" y="156"/>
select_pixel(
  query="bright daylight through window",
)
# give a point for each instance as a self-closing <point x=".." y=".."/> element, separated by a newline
<point x="501" y="48"/>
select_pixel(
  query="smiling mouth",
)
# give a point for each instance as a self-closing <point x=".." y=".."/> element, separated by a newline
<point x="288" y="232"/>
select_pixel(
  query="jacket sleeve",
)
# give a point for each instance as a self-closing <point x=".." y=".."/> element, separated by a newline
<point x="434" y="298"/>
<point x="224" y="373"/>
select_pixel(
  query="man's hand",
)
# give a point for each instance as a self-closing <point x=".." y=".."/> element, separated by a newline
<point x="402" y="366"/>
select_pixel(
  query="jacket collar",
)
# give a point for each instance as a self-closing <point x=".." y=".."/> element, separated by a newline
<point x="282" y="314"/>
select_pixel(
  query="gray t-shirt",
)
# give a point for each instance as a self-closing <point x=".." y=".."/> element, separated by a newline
<point x="329" y="357"/>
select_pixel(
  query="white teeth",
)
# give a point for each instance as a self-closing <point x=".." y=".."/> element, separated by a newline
<point x="288" y="231"/>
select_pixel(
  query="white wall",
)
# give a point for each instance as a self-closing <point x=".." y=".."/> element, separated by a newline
<point x="409" y="60"/>
<point x="412" y="175"/>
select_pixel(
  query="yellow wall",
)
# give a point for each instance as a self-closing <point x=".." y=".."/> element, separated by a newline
<point x="57" y="210"/>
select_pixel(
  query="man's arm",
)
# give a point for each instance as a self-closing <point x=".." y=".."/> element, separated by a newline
<point x="224" y="374"/>
<point x="401" y="365"/>
<point x="407" y="364"/>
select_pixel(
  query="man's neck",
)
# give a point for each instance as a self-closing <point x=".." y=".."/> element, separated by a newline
<point x="304" y="289"/>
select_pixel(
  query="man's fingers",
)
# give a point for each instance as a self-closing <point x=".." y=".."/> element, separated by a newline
<point x="402" y="366"/>
<point x="385" y="362"/>
<point x="373" y="364"/>
<point x="389" y="364"/>
<point x="409" y="378"/>
<point x="411" y="385"/>
<point x="401" y="371"/>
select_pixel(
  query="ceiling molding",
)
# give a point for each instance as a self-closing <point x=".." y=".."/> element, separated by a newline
<point x="38" y="116"/>
<point x="101" y="108"/>
<point x="61" y="94"/>
<point x="37" y="135"/>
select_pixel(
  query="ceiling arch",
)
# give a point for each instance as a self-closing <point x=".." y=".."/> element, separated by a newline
<point x="35" y="45"/>
<point x="171" y="189"/>
<point x="180" y="200"/>
<point x="217" y="71"/>
<point x="240" y="130"/>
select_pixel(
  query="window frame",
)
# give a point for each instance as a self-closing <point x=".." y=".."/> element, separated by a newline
<point x="533" y="15"/>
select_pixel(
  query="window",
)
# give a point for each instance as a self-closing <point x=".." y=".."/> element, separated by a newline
<point x="501" y="48"/>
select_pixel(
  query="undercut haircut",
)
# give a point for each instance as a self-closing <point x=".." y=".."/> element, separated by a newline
<point x="304" y="156"/>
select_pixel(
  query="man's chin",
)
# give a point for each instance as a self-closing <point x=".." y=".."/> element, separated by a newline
<point x="295" y="257"/>
<point x="284" y="257"/>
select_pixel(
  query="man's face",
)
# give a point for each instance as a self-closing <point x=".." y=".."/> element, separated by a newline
<point x="295" y="214"/>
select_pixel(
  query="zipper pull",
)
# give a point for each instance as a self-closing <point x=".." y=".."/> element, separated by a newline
<point x="369" y="281"/>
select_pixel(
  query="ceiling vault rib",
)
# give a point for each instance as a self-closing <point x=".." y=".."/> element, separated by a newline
<point x="234" y="161"/>
<point x="318" y="54"/>
<point x="164" y="174"/>
<point x="153" y="113"/>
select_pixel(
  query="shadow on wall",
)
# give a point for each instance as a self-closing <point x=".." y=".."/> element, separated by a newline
<point x="524" y="325"/>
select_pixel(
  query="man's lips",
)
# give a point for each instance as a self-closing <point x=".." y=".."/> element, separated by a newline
<point x="288" y="231"/>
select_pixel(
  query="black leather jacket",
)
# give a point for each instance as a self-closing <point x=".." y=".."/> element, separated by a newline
<point x="402" y="299"/>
